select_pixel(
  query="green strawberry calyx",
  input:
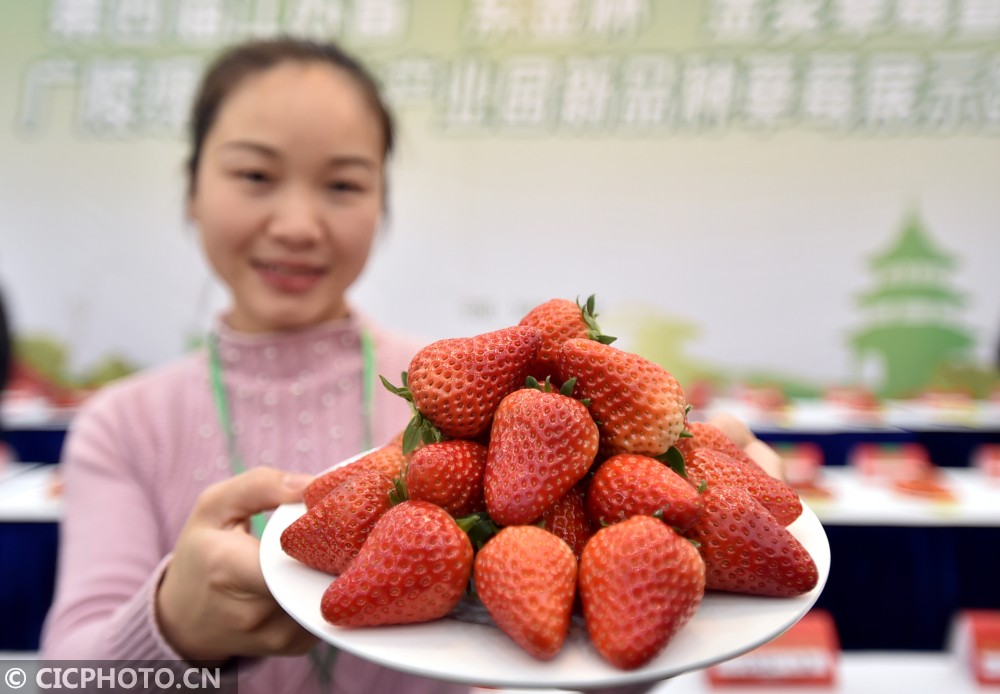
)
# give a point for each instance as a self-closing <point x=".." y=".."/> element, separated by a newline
<point x="566" y="388"/>
<point x="590" y="318"/>
<point x="419" y="430"/>
<point x="399" y="492"/>
<point x="479" y="527"/>
<point x="674" y="459"/>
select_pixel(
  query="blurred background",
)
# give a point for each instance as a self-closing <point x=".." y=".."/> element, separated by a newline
<point x="790" y="204"/>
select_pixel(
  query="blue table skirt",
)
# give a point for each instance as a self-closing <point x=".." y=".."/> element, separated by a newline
<point x="27" y="580"/>
<point x="898" y="588"/>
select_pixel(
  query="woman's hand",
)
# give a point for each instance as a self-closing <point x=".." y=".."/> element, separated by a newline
<point x="213" y="603"/>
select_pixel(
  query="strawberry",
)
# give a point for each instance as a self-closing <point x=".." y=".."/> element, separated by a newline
<point x="414" y="567"/>
<point x="526" y="579"/>
<point x="639" y="583"/>
<point x="559" y="320"/>
<point x="636" y="485"/>
<point x="746" y="549"/>
<point x="455" y="385"/>
<point x="541" y="444"/>
<point x="330" y="534"/>
<point x="449" y="474"/>
<point x="704" y="435"/>
<point x="387" y="461"/>
<point x="715" y="469"/>
<point x="567" y="519"/>
<point x="639" y="406"/>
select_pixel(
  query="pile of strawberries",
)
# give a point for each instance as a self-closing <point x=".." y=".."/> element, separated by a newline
<point x="545" y="467"/>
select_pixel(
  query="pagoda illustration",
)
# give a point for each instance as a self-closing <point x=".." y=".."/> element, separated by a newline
<point x="912" y="317"/>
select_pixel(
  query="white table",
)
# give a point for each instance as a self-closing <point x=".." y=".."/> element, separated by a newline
<point x="25" y="494"/>
<point x="859" y="501"/>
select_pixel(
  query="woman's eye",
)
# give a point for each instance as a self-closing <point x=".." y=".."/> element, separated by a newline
<point x="344" y="186"/>
<point x="253" y="176"/>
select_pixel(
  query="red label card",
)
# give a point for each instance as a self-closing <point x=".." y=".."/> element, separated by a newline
<point x="806" y="654"/>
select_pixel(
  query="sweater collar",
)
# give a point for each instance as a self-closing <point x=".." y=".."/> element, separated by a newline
<point x="288" y="354"/>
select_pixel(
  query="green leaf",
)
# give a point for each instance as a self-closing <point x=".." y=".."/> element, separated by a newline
<point x="479" y="527"/>
<point x="399" y="492"/>
<point x="687" y="410"/>
<point x="412" y="435"/>
<point x="532" y="382"/>
<point x="590" y="319"/>
<point x="430" y="433"/>
<point x="402" y="391"/>
<point x="686" y="435"/>
<point x="567" y="387"/>
<point x="702" y="487"/>
<point x="674" y="460"/>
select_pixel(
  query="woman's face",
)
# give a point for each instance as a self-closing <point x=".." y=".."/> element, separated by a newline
<point x="288" y="194"/>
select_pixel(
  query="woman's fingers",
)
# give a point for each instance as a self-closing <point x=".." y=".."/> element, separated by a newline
<point x="213" y="602"/>
<point x="235" y="500"/>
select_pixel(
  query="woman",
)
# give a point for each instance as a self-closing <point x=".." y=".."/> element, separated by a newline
<point x="164" y="471"/>
<point x="286" y="186"/>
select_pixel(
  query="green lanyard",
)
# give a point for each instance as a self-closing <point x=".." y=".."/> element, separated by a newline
<point x="226" y="421"/>
<point x="323" y="659"/>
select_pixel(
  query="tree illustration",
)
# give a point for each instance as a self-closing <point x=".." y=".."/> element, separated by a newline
<point x="913" y="317"/>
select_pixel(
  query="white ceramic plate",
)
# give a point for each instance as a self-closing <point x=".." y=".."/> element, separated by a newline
<point x="725" y="626"/>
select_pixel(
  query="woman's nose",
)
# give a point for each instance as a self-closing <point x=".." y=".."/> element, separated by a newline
<point x="297" y="218"/>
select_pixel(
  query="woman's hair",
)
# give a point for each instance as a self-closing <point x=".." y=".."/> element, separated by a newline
<point x="244" y="60"/>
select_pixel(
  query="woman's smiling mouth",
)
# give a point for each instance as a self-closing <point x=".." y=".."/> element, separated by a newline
<point x="292" y="278"/>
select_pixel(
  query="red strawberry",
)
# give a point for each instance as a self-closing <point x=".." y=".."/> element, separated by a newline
<point x="541" y="444"/>
<point x="560" y="320"/>
<point x="717" y="469"/>
<point x="636" y="485"/>
<point x="567" y="519"/>
<point x="640" y="407"/>
<point x="330" y="534"/>
<point x="414" y="567"/>
<point x="704" y="435"/>
<point x="449" y="474"/>
<point x="526" y="579"/>
<point x="639" y="583"/>
<point x="455" y="385"/>
<point x="746" y="550"/>
<point x="387" y="461"/>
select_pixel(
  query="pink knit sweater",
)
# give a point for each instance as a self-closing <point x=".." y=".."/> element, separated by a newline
<point x="143" y="449"/>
